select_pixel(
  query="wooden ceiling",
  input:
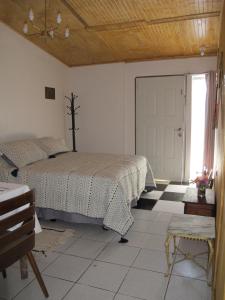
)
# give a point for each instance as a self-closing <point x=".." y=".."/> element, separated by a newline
<point x="104" y="31"/>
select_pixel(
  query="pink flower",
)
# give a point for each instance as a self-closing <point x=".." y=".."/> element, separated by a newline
<point x="202" y="181"/>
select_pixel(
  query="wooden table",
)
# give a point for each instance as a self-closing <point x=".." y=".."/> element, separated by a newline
<point x="198" y="206"/>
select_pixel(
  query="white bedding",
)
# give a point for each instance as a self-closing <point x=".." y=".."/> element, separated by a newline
<point x="94" y="185"/>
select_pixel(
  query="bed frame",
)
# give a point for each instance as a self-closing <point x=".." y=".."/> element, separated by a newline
<point x="53" y="215"/>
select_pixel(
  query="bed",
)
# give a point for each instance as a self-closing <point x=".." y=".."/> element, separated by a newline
<point x="100" y="187"/>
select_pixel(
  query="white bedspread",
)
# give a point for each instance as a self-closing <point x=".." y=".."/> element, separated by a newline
<point x="94" y="185"/>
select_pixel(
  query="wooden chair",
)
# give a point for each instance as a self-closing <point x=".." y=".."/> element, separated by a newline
<point x="16" y="244"/>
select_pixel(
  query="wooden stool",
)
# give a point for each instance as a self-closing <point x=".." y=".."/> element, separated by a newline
<point x="191" y="227"/>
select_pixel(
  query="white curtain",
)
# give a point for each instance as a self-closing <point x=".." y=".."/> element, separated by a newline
<point x="210" y="120"/>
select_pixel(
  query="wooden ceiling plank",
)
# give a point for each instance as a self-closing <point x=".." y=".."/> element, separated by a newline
<point x="74" y="13"/>
<point x="128" y="25"/>
<point x="103" y="12"/>
<point x="107" y="31"/>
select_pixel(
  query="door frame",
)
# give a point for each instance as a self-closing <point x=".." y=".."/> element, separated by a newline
<point x="187" y="120"/>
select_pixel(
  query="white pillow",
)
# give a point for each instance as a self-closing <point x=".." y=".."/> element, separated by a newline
<point x="22" y="153"/>
<point x="52" y="146"/>
<point x="3" y="163"/>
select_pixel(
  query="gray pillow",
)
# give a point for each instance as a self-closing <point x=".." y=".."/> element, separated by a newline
<point x="51" y="145"/>
<point x="22" y="153"/>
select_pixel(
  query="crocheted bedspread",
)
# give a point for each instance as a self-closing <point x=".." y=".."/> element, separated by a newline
<point x="94" y="185"/>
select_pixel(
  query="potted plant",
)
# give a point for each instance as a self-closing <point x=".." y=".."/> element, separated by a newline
<point x="202" y="183"/>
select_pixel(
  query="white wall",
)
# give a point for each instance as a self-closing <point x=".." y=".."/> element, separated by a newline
<point x="24" y="72"/>
<point x="107" y="99"/>
<point x="101" y="117"/>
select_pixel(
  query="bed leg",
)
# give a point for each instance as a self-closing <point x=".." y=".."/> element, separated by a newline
<point x="104" y="228"/>
<point x="123" y="240"/>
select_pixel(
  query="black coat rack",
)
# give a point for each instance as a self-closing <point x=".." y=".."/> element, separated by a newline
<point x="72" y="112"/>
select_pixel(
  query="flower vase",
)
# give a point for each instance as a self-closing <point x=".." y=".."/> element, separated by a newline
<point x="201" y="193"/>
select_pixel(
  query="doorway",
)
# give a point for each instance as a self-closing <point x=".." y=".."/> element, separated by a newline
<point x="160" y="124"/>
<point x="198" y="99"/>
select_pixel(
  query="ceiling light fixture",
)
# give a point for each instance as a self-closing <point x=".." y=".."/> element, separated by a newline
<point x="202" y="50"/>
<point x="25" y="28"/>
<point x="31" y="15"/>
<point x="46" y="31"/>
<point x="58" y="18"/>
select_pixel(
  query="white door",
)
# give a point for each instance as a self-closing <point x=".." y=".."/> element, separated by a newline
<point x="160" y="104"/>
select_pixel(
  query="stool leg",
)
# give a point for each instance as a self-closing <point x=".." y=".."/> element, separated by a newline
<point x="167" y="248"/>
<point x="211" y="251"/>
<point x="174" y="245"/>
<point x="37" y="273"/>
<point x="23" y="268"/>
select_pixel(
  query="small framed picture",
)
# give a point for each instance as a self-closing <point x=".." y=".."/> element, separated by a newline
<point x="49" y="93"/>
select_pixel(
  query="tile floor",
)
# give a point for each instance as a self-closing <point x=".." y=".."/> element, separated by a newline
<point x="93" y="265"/>
<point x="173" y="191"/>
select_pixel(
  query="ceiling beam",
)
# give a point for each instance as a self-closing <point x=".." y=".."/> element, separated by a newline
<point x="148" y="59"/>
<point x="132" y="24"/>
<point x="211" y="14"/>
<point x="74" y="13"/>
<point x="117" y="26"/>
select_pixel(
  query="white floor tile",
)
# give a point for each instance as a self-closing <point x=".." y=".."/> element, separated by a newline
<point x="95" y="232"/>
<point x="141" y="214"/>
<point x="186" y="289"/>
<point x="102" y="279"/>
<point x="82" y="292"/>
<point x="187" y="268"/>
<point x="152" y="195"/>
<point x="68" y="267"/>
<point x="119" y="254"/>
<point x="163" y="216"/>
<point x="41" y="260"/>
<point x="169" y="206"/>
<point x="173" y="188"/>
<point x="151" y="260"/>
<point x="62" y="248"/>
<point x="147" y="241"/>
<point x="13" y="284"/>
<point x="104" y="275"/>
<point x="152" y="227"/>
<point x="124" y="297"/>
<point x="57" y="289"/>
<point x="144" y="284"/>
<point x="86" y="248"/>
<point x="149" y="215"/>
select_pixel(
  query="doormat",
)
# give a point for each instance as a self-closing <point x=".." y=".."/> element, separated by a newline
<point x="50" y="238"/>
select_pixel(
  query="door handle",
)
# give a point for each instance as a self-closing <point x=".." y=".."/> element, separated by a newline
<point x="179" y="131"/>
